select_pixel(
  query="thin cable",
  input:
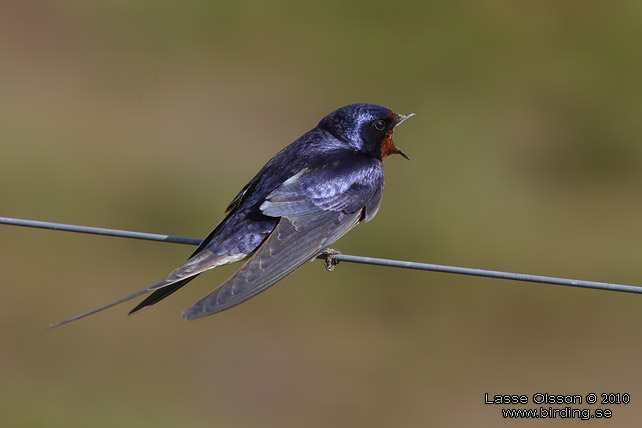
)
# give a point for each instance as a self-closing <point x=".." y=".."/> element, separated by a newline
<point x="489" y="273"/>
<point x="332" y="259"/>
<point x="99" y="231"/>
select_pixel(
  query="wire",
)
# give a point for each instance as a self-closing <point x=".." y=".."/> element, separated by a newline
<point x="332" y="258"/>
<point x="99" y="231"/>
<point x="491" y="274"/>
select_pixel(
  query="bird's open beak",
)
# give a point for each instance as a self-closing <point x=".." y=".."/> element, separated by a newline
<point x="398" y="118"/>
<point x="401" y="117"/>
<point x="399" y="152"/>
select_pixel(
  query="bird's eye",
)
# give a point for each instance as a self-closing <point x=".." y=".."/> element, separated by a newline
<point x="379" y="125"/>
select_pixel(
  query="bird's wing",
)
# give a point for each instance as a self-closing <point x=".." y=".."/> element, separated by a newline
<point x="317" y="206"/>
<point x="344" y="183"/>
<point x="294" y="242"/>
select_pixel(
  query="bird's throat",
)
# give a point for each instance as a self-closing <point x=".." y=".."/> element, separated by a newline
<point x="388" y="147"/>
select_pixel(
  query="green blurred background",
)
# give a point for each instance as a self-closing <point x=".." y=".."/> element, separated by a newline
<point x="150" y="116"/>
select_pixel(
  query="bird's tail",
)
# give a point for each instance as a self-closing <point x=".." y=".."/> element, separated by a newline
<point x="160" y="294"/>
<point x="194" y="266"/>
<point x="102" y="308"/>
<point x="160" y="290"/>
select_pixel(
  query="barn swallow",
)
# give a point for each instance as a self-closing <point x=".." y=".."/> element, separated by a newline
<point x="305" y="198"/>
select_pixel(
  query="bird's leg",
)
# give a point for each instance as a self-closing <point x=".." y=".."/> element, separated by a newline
<point x="330" y="261"/>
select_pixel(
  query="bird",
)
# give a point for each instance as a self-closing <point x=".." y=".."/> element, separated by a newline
<point x="304" y="199"/>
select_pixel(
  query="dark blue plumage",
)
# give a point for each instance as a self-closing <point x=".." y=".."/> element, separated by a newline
<point x="306" y="197"/>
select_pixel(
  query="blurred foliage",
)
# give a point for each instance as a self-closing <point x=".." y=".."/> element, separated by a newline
<point x="150" y="115"/>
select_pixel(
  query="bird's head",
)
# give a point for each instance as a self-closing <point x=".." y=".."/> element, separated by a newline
<point x="367" y="128"/>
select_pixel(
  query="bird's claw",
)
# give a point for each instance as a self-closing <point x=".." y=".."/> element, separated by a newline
<point x="330" y="260"/>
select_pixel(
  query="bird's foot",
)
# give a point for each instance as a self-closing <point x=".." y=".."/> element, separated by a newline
<point x="330" y="261"/>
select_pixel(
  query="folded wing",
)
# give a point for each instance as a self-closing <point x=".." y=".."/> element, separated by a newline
<point x="284" y="251"/>
<point x="316" y="207"/>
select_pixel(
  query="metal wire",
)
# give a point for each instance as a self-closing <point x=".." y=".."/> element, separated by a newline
<point x="335" y="258"/>
<point x="490" y="273"/>
<point x="99" y="231"/>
